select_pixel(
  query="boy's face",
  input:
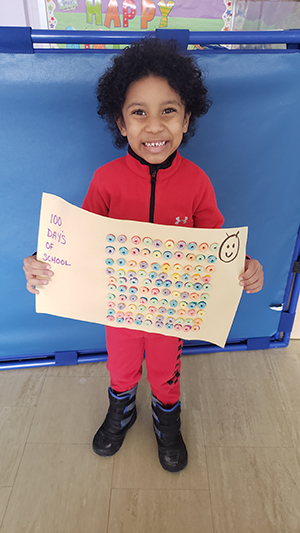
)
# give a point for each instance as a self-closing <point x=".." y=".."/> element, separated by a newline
<point x="154" y="119"/>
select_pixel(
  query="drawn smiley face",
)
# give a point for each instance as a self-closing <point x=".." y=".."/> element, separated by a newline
<point x="229" y="248"/>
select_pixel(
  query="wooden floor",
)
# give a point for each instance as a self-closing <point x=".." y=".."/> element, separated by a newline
<point x="240" y="421"/>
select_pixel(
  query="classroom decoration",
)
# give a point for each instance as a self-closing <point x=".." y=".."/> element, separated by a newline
<point x="258" y="15"/>
<point x="172" y="280"/>
<point x="197" y="15"/>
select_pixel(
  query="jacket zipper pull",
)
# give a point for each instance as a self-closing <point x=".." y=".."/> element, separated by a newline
<point x="153" y="175"/>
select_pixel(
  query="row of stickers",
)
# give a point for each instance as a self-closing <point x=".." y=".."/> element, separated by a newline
<point x="162" y="284"/>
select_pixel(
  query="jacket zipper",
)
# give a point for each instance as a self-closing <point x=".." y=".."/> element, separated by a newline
<point x="153" y="169"/>
<point x="153" y="174"/>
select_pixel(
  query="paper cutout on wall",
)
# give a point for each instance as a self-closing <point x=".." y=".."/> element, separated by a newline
<point x="139" y="14"/>
<point x="171" y="280"/>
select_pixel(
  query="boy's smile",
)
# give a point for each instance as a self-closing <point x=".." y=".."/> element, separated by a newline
<point x="154" y="119"/>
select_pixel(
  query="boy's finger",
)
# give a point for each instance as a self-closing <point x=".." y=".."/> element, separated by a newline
<point x="31" y="289"/>
<point x="40" y="281"/>
<point x="43" y="272"/>
<point x="254" y="286"/>
<point x="248" y="274"/>
<point x="36" y="265"/>
<point x="34" y="282"/>
<point x="38" y="271"/>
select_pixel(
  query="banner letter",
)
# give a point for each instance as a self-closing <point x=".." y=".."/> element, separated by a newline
<point x="112" y="14"/>
<point x="93" y="9"/>
<point x="165" y="10"/>
<point x="148" y="13"/>
<point x="128" y="15"/>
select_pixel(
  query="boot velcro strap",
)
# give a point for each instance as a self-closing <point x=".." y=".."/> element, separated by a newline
<point x="130" y="406"/>
<point x="120" y="408"/>
<point x="124" y="399"/>
<point x="167" y="431"/>
<point x="119" y="414"/>
<point x="121" y="405"/>
<point x="164" y="416"/>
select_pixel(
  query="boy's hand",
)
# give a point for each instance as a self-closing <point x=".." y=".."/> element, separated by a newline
<point x="253" y="278"/>
<point x="33" y="270"/>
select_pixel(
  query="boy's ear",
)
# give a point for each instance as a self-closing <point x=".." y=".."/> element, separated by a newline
<point x="121" y="126"/>
<point x="186" y="121"/>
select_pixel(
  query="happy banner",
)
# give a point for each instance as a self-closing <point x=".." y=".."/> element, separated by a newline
<point x="196" y="15"/>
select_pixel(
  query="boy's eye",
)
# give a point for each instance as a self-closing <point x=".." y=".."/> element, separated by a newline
<point x="169" y="110"/>
<point x="138" y="112"/>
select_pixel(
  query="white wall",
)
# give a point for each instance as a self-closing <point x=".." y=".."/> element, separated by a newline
<point x="23" y="13"/>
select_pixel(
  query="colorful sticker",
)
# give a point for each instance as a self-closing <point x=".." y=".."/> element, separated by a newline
<point x="171" y="292"/>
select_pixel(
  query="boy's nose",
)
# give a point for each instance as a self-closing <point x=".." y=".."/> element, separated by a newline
<point x="154" y="124"/>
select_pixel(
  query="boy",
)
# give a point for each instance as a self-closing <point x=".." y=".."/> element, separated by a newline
<point x="150" y="97"/>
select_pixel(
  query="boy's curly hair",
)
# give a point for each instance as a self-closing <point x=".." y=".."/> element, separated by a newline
<point x="160" y="58"/>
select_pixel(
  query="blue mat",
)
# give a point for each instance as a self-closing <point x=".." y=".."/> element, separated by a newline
<point x="52" y="140"/>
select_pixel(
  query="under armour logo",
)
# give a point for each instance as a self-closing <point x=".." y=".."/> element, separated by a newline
<point x="178" y="220"/>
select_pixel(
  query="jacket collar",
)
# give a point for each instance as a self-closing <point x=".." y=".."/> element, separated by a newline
<point x="144" y="169"/>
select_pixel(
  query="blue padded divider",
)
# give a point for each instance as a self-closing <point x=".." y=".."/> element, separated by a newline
<point x="52" y="140"/>
<point x="252" y="128"/>
<point x="15" y="40"/>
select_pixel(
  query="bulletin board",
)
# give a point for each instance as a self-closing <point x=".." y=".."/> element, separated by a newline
<point x="139" y="14"/>
<point x="52" y="141"/>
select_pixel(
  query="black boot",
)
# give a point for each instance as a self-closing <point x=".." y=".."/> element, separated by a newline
<point x="120" y="417"/>
<point x="171" y="448"/>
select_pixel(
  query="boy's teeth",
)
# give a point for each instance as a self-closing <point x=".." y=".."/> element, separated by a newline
<point x="156" y="144"/>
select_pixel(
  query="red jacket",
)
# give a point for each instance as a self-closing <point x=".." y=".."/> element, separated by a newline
<point x="182" y="194"/>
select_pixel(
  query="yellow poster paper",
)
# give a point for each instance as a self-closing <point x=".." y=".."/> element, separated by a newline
<point x="176" y="281"/>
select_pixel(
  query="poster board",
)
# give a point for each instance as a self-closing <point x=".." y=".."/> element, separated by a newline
<point x="172" y="280"/>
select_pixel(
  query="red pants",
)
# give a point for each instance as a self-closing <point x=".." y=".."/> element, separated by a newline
<point x="126" y="350"/>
